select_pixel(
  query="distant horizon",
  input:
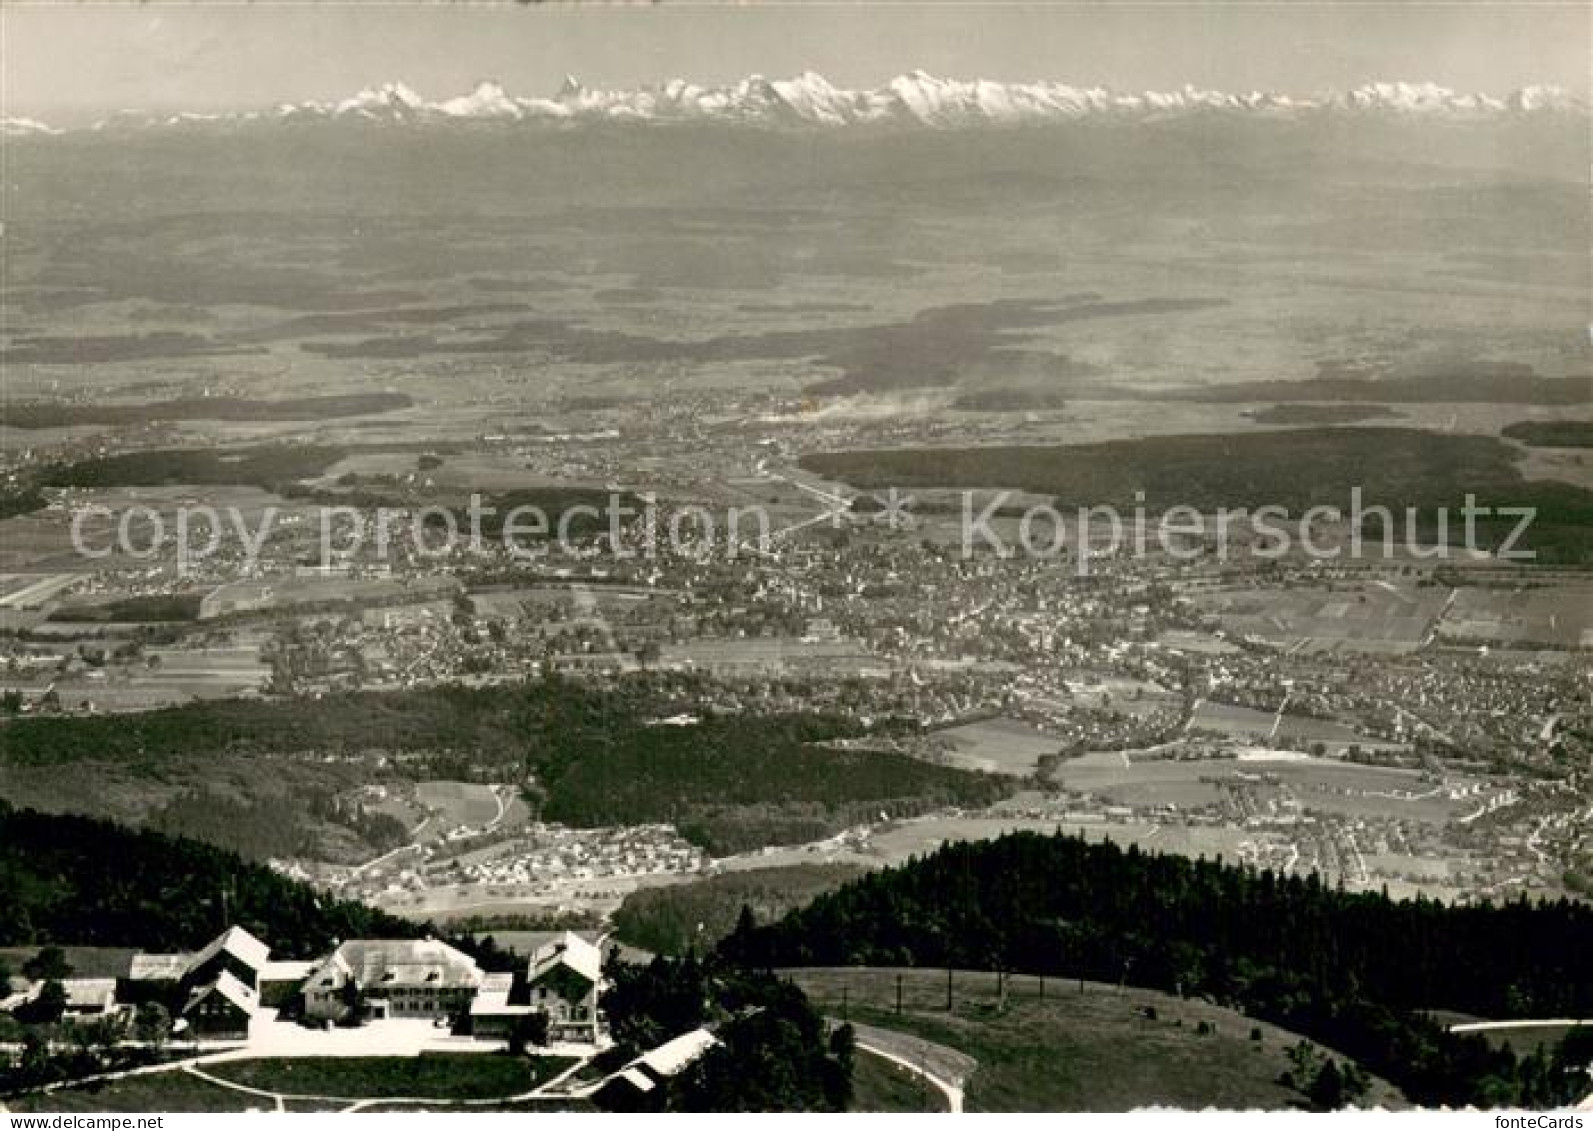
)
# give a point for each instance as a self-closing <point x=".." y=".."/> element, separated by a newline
<point x="70" y="64"/>
<point x="1384" y="92"/>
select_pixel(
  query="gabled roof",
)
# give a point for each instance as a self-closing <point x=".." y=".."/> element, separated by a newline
<point x="237" y="942"/>
<point x="89" y="993"/>
<point x="286" y="970"/>
<point x="674" y="1055"/>
<point x="636" y="1078"/>
<point x="377" y="964"/>
<point x="492" y="998"/>
<point x="569" y="951"/>
<point x="230" y="987"/>
<point x="667" y="1060"/>
<point x="158" y="967"/>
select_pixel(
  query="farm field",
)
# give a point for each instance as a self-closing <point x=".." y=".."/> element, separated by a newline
<point x="774" y="654"/>
<point x="288" y="592"/>
<point x="460" y="803"/>
<point x="1391" y="617"/>
<point x="431" y="810"/>
<point x="164" y="677"/>
<point x="1383" y="617"/>
<point x="896" y="842"/>
<point x="1001" y="745"/>
<point x="1231" y="721"/>
<point x="441" y="904"/>
<point x="42" y="541"/>
<point x="1095" y="1050"/>
<point x="1345" y="788"/>
<point x="1120" y="693"/>
<point x="1558" y="616"/>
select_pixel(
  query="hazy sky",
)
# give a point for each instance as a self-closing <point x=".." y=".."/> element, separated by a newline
<point x="66" y="61"/>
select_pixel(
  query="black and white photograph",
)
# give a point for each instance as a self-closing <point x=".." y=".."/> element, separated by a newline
<point x="873" y="556"/>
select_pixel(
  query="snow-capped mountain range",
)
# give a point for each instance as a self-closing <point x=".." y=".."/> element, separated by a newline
<point x="811" y="100"/>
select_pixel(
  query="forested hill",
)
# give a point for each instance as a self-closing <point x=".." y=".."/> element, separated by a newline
<point x="731" y="782"/>
<point x="1350" y="969"/>
<point x="83" y="882"/>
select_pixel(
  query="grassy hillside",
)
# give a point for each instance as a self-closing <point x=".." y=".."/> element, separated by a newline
<point x="1354" y="970"/>
<point x="880" y="1085"/>
<point x="1095" y="1050"/>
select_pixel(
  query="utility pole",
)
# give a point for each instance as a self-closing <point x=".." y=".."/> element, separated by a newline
<point x="948" y="989"/>
<point x="844" y="1014"/>
<point x="898" y="993"/>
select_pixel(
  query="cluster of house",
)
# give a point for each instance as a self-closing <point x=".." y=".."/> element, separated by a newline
<point x="223" y="988"/>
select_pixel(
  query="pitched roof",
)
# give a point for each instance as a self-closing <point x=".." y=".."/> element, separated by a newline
<point x="229" y="986"/>
<point x="636" y="1078"/>
<point x="89" y="993"/>
<point x="569" y="951"/>
<point x="674" y="1055"/>
<point x="492" y="998"/>
<point x="669" y="1059"/>
<point x="286" y="970"/>
<point x="379" y="963"/>
<point x="158" y="967"/>
<point x="237" y="942"/>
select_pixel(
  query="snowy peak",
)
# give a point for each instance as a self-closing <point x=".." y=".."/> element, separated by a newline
<point x="1418" y="98"/>
<point x="24" y="127"/>
<point x="488" y="100"/>
<point x="1537" y="98"/>
<point x="390" y="100"/>
<point x="916" y="98"/>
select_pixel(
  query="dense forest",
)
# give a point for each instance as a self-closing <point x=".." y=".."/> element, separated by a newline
<point x="80" y="882"/>
<point x="267" y="467"/>
<point x="676" y="918"/>
<point x="773" y="1053"/>
<point x="1552" y="433"/>
<point x="1352" y="970"/>
<point x="732" y="783"/>
<point x="296" y="822"/>
<point x="1478" y="382"/>
<point x="1293" y="469"/>
<point x="83" y="882"/>
<point x="1297" y="414"/>
<point x="1296" y="469"/>
<point x="141" y="609"/>
<point x="588" y="754"/>
<point x="56" y="414"/>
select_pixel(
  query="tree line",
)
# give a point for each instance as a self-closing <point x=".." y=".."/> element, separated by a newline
<point x="85" y="882"/>
<point x="1357" y="971"/>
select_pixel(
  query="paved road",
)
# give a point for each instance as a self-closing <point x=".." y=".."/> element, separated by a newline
<point x="944" y="1068"/>
<point x="1484" y="1026"/>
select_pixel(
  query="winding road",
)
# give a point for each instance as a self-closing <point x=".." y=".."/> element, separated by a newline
<point x="945" y="1069"/>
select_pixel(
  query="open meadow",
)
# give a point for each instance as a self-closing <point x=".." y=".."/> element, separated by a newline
<point x="1060" y="1046"/>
